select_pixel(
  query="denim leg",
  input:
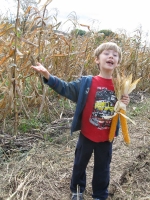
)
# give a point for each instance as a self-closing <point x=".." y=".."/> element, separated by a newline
<point x="101" y="171"/>
<point x="83" y="154"/>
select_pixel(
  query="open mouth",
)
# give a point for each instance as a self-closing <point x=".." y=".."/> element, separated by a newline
<point x="110" y="62"/>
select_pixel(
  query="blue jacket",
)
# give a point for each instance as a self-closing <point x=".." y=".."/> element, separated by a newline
<point x="77" y="91"/>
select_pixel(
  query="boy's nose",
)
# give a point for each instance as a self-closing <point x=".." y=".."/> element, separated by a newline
<point x="111" y="56"/>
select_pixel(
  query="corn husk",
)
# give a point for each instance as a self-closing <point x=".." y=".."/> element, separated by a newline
<point x="123" y="85"/>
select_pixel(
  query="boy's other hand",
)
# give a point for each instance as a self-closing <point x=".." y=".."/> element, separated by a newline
<point x="42" y="70"/>
<point x="125" y="99"/>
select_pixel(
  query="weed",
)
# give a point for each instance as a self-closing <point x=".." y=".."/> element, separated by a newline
<point x="26" y="125"/>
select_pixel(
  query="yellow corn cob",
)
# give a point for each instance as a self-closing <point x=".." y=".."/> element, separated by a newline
<point x="124" y="127"/>
<point x="113" y="127"/>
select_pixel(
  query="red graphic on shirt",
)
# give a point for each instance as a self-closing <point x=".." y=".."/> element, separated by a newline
<point x="104" y="106"/>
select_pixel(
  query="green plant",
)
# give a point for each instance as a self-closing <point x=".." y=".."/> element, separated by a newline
<point x="27" y="125"/>
<point x="106" y="32"/>
<point x="135" y="111"/>
<point x="139" y="109"/>
<point x="78" y="32"/>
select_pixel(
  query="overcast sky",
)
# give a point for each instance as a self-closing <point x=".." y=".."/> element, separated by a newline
<point x="107" y="14"/>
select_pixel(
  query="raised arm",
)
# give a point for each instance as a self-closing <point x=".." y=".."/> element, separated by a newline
<point x="69" y="90"/>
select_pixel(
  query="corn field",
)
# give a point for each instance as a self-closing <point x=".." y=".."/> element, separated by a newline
<point x="65" y="55"/>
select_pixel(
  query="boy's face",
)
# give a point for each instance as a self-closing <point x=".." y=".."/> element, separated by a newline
<point x="108" y="60"/>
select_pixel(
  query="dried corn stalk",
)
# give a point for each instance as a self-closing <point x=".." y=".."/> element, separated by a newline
<point x="123" y="86"/>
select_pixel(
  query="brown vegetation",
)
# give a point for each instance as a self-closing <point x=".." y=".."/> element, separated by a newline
<point x="36" y="149"/>
<point x="66" y="55"/>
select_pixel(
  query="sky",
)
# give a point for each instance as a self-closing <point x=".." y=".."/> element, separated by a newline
<point x="100" y="14"/>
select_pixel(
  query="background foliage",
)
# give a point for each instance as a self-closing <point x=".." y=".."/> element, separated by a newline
<point x="35" y="36"/>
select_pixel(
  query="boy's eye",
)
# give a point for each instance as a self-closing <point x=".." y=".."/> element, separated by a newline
<point x="106" y="53"/>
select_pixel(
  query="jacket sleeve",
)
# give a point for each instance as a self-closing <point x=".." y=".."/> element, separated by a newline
<point x="70" y="90"/>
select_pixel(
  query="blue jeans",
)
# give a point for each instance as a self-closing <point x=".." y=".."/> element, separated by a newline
<point x="101" y="172"/>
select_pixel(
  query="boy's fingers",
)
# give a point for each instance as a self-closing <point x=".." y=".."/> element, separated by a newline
<point x="125" y="97"/>
<point x="38" y="64"/>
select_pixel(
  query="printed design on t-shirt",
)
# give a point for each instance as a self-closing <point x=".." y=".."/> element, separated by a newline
<point x="103" y="106"/>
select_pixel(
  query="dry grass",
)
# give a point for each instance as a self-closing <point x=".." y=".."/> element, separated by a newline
<point x="66" y="55"/>
<point x="43" y="170"/>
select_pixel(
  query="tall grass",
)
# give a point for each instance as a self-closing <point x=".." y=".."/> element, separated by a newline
<point x="65" y="55"/>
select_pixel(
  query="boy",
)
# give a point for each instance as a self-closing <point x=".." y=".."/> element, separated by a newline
<point x="95" y="99"/>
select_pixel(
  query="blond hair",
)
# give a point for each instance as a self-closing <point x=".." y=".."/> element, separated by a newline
<point x="108" y="46"/>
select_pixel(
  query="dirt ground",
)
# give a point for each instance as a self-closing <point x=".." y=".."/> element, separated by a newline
<point x="34" y="168"/>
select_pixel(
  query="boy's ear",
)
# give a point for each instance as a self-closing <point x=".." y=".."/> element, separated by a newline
<point x="97" y="60"/>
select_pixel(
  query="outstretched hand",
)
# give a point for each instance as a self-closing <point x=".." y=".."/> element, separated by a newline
<point x="42" y="70"/>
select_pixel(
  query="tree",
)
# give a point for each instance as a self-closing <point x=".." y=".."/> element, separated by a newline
<point x="106" y="32"/>
<point x="78" y="32"/>
<point x="24" y="4"/>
